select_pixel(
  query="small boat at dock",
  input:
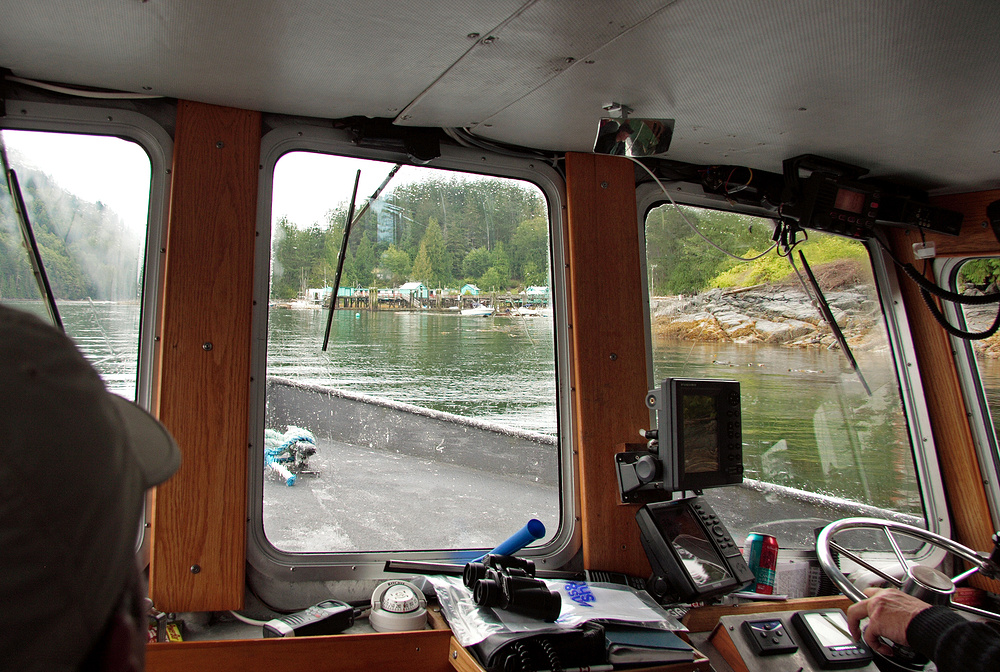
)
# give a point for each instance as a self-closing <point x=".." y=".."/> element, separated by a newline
<point x="478" y="310"/>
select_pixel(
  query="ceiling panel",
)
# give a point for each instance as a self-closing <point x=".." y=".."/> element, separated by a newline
<point x="318" y="58"/>
<point x="528" y="51"/>
<point x="908" y="88"/>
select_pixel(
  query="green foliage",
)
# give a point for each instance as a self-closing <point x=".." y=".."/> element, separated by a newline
<point x="492" y="280"/>
<point x="85" y="248"/>
<point x="529" y="248"/>
<point x="422" y="269"/>
<point x="980" y="271"/>
<point x="501" y="223"/>
<point x="500" y="263"/>
<point x="396" y="263"/>
<point x="437" y="255"/>
<point x="819" y="249"/>
<point x="364" y="263"/>
<point x="682" y="262"/>
<point x="475" y="263"/>
<point x="769" y="268"/>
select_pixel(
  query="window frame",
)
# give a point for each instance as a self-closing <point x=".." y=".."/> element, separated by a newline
<point x="273" y="563"/>
<point x="156" y="142"/>
<point x="928" y="472"/>
<point x="981" y="422"/>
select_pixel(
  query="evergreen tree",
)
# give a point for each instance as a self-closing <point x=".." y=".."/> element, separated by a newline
<point x="492" y="280"/>
<point x="422" y="270"/>
<point x="437" y="255"/>
<point x="397" y="263"/>
<point x="475" y="263"/>
<point x="529" y="249"/>
<point x="499" y="270"/>
<point x="364" y="262"/>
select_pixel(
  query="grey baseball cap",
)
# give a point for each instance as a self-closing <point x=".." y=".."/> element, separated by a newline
<point x="75" y="463"/>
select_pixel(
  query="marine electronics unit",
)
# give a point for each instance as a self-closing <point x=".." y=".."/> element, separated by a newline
<point x="829" y="195"/>
<point x="690" y="551"/>
<point x="697" y="443"/>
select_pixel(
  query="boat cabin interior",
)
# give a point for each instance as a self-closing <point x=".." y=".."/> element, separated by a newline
<point x="403" y="279"/>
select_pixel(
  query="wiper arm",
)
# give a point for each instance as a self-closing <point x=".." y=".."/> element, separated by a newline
<point x="340" y="261"/>
<point x="824" y="309"/>
<point x="375" y="195"/>
<point x="351" y="220"/>
<point x="34" y="256"/>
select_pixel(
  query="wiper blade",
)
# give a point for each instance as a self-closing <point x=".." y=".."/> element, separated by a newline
<point x="34" y="256"/>
<point x="375" y="195"/>
<point x="351" y="220"/>
<point x="824" y="309"/>
<point x="340" y="261"/>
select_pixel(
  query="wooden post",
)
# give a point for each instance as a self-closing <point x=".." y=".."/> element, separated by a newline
<point x="945" y="404"/>
<point x="608" y="348"/>
<point x="198" y="541"/>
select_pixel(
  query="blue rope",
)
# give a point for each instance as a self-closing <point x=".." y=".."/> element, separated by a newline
<point x="272" y="455"/>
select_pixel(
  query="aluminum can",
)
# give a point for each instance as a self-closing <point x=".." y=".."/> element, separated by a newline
<point x="762" y="557"/>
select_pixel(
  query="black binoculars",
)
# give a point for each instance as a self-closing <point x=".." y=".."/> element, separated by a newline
<point x="506" y="582"/>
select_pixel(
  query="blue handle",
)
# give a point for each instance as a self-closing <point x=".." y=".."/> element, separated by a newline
<point x="527" y="534"/>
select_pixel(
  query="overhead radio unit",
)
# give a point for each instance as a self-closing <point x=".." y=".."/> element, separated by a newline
<point x="828" y="195"/>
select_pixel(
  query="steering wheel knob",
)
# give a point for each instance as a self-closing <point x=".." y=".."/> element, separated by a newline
<point x="929" y="585"/>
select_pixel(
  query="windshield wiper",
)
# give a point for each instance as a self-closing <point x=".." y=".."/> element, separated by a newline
<point x="34" y="256"/>
<point x="340" y="261"/>
<point x="824" y="309"/>
<point x="348" y="225"/>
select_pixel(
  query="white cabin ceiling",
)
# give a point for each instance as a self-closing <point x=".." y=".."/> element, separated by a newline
<point x="908" y="89"/>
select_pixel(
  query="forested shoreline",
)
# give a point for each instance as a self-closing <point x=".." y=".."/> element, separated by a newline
<point x="442" y="232"/>
<point x="85" y="247"/>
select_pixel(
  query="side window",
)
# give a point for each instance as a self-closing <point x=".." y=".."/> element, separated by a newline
<point x="979" y="277"/>
<point x="430" y="421"/>
<point x="817" y="445"/>
<point x="979" y="358"/>
<point x="87" y="200"/>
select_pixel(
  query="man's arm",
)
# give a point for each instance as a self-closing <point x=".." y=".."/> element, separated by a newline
<point x="954" y="643"/>
<point x="889" y="613"/>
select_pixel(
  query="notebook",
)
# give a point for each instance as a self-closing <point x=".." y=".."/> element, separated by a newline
<point x="641" y="645"/>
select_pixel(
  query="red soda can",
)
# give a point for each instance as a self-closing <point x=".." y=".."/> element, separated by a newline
<point x="762" y="558"/>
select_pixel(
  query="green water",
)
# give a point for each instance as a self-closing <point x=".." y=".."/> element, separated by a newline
<point x="808" y="422"/>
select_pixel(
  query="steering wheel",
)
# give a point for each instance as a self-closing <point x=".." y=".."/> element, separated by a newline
<point x="925" y="583"/>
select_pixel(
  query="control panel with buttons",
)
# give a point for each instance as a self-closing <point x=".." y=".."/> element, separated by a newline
<point x="769" y="637"/>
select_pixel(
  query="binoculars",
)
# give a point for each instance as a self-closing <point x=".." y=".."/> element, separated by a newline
<point x="506" y="582"/>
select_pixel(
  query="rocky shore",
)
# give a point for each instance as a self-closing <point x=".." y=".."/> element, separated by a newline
<point x="777" y="314"/>
<point x="781" y="314"/>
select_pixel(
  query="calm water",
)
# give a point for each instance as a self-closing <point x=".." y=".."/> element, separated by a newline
<point x="807" y="421"/>
<point x="107" y="333"/>
<point x="497" y="368"/>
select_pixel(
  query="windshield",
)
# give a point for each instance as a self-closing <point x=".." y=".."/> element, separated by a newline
<point x="430" y="421"/>
<point x="816" y="445"/>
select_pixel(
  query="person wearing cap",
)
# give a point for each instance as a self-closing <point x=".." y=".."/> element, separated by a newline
<point x="954" y="643"/>
<point x="77" y="461"/>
